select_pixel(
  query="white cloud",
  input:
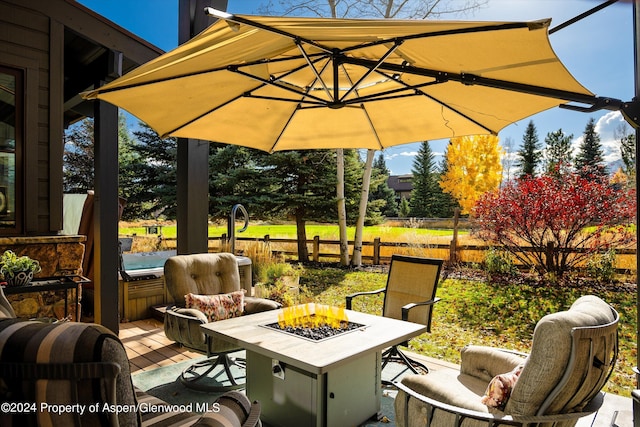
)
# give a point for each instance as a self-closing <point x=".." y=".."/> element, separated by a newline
<point x="607" y="128"/>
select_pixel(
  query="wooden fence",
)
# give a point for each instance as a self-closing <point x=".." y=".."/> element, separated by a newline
<point x="377" y="252"/>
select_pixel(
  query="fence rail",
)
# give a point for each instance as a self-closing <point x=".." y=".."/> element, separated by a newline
<point x="377" y="252"/>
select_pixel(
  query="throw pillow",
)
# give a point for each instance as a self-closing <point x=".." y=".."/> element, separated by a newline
<point x="217" y="307"/>
<point x="499" y="389"/>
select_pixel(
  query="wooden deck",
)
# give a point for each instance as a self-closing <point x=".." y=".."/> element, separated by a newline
<point x="148" y="348"/>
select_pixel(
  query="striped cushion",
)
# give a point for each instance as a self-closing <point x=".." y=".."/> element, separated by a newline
<point x="32" y="341"/>
<point x="153" y="415"/>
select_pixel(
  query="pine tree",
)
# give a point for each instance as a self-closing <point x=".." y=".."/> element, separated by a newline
<point x="590" y="160"/>
<point x="529" y="156"/>
<point x="559" y="156"/>
<point x="424" y="183"/>
<point x="148" y="178"/>
<point x="627" y="148"/>
<point x="404" y="209"/>
<point x="380" y="190"/>
<point x="445" y="202"/>
<point x="78" y="157"/>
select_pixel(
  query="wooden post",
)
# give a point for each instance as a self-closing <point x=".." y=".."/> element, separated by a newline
<point x="453" y="249"/>
<point x="316" y="249"/>
<point x="376" y="251"/>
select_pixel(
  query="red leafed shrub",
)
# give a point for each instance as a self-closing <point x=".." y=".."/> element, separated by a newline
<point x="564" y="219"/>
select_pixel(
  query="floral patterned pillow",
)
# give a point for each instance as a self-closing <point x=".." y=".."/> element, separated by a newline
<point x="499" y="389"/>
<point x="217" y="307"/>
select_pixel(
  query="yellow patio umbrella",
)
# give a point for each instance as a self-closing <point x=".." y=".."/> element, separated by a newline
<point x="281" y="83"/>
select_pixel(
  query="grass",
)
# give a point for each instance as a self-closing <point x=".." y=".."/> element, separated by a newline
<point x="476" y="312"/>
<point x="325" y="231"/>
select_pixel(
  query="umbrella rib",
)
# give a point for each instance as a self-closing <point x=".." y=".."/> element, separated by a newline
<point x="313" y="68"/>
<point x="364" y="110"/>
<point x="484" y="28"/>
<point x="370" y="70"/>
<point x="280" y="86"/>
<point x="187" y="123"/>
<point x="471" y="79"/>
<point x="241" y="20"/>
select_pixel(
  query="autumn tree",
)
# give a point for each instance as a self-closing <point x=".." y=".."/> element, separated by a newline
<point x="474" y="168"/>
<point x="559" y="157"/>
<point x="530" y="155"/>
<point x="590" y="158"/>
<point x="564" y="220"/>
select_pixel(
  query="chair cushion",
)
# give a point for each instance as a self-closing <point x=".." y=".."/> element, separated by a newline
<point x="550" y="353"/>
<point x="68" y="342"/>
<point x="217" y="307"/>
<point x="201" y="274"/>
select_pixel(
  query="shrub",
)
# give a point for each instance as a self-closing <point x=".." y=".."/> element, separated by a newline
<point x="602" y="267"/>
<point x="499" y="262"/>
<point x="555" y="216"/>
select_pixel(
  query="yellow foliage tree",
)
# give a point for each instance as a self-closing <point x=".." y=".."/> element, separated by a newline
<point x="474" y="167"/>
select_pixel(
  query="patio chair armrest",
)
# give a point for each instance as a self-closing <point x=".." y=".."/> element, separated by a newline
<point x="486" y="362"/>
<point x="257" y="305"/>
<point x="357" y="294"/>
<point x="406" y="308"/>
<point x="187" y="314"/>
<point x="491" y="419"/>
<point x="72" y="372"/>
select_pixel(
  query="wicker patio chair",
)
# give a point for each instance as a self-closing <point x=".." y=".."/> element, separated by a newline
<point x="572" y="356"/>
<point x="409" y="295"/>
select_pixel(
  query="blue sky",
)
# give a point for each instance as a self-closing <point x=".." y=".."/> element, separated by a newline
<point x="598" y="51"/>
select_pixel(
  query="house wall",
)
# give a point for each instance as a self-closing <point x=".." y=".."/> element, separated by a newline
<point x="32" y="41"/>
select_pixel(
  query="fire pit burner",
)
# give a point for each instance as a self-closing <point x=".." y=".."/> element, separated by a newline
<point x="317" y="333"/>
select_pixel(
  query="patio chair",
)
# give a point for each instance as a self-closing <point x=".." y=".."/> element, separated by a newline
<point x="211" y="283"/>
<point x="572" y="356"/>
<point x="82" y="369"/>
<point x="409" y="295"/>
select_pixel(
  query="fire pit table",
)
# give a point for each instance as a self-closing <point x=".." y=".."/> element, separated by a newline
<point x="329" y="382"/>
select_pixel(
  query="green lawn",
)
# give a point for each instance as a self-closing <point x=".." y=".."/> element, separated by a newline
<point x="288" y="231"/>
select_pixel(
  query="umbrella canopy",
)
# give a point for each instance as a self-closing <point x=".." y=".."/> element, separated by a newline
<point x="281" y="83"/>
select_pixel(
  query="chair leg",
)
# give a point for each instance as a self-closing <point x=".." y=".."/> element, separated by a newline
<point x="394" y="354"/>
<point x="195" y="376"/>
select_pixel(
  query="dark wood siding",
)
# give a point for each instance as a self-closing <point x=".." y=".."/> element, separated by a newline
<point x="25" y="43"/>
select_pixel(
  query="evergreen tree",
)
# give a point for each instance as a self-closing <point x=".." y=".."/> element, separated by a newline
<point x="424" y="183"/>
<point x="380" y="191"/>
<point x="233" y="177"/>
<point x="148" y="178"/>
<point x="404" y="209"/>
<point x="590" y="160"/>
<point x="78" y="170"/>
<point x="627" y="149"/>
<point x="299" y="185"/>
<point x="559" y="156"/>
<point x="445" y="203"/>
<point x="529" y="156"/>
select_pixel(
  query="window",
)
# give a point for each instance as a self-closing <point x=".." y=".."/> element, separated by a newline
<point x="11" y="143"/>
